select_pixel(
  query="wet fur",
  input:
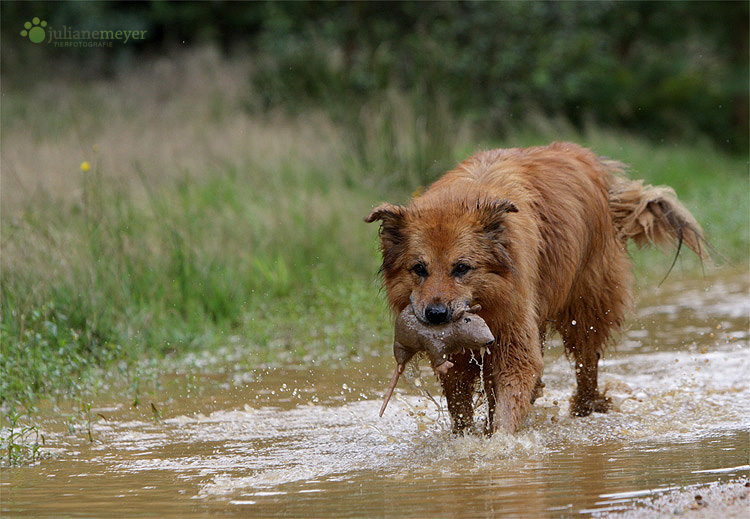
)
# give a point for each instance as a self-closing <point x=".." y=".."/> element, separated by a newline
<point x="543" y="231"/>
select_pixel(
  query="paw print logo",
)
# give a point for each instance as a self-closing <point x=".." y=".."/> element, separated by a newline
<point x="34" y="30"/>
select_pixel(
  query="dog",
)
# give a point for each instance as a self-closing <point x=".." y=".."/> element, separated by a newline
<point x="537" y="237"/>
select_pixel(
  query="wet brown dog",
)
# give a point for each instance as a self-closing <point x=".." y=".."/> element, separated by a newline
<point x="537" y="237"/>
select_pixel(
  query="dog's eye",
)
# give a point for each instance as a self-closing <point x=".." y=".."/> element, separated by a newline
<point x="420" y="270"/>
<point x="461" y="268"/>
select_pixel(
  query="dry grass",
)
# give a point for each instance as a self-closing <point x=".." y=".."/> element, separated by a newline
<point x="167" y="118"/>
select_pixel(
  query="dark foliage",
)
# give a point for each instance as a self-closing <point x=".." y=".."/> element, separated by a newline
<point x="664" y="69"/>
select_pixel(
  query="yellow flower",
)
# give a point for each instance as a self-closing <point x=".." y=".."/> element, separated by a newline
<point x="85" y="166"/>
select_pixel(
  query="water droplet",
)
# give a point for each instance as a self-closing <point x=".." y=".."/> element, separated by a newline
<point x="573" y="322"/>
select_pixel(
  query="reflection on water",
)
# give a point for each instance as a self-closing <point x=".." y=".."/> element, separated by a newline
<point x="309" y="443"/>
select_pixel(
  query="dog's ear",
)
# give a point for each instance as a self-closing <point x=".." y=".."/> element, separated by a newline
<point x="387" y="213"/>
<point x="492" y="215"/>
<point x="392" y="240"/>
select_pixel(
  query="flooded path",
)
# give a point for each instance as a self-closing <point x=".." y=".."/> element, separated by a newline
<point x="309" y="443"/>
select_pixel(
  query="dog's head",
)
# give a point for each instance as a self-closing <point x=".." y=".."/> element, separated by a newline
<point x="440" y="257"/>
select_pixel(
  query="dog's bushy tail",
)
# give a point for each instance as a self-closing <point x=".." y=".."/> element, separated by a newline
<point x="652" y="215"/>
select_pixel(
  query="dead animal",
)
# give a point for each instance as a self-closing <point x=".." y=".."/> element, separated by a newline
<point x="466" y="331"/>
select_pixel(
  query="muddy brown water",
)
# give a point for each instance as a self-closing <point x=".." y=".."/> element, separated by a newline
<point x="309" y="443"/>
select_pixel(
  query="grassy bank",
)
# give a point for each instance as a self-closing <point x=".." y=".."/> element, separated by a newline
<point x="198" y="223"/>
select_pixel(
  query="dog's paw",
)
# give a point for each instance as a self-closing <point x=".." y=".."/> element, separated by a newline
<point x="585" y="405"/>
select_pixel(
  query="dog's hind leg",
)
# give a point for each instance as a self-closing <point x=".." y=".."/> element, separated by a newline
<point x="584" y="340"/>
<point x="586" y="327"/>
<point x="587" y="398"/>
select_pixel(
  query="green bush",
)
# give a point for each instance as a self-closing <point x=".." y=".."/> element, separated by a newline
<point x="666" y="70"/>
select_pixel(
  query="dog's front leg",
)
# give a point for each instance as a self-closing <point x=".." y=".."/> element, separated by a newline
<point x="515" y="374"/>
<point x="458" y="387"/>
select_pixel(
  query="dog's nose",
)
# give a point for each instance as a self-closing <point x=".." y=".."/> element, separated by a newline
<point x="436" y="313"/>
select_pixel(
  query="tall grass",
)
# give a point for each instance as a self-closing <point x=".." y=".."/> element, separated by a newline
<point x="200" y="224"/>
